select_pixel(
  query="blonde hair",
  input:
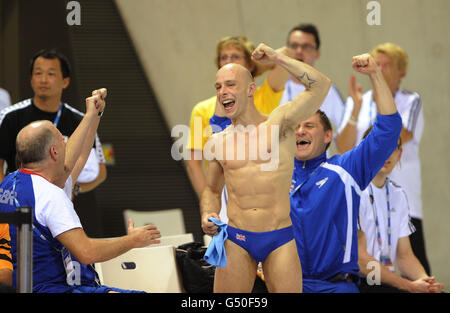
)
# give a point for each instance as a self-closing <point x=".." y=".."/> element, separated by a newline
<point x="240" y="43"/>
<point x="394" y="53"/>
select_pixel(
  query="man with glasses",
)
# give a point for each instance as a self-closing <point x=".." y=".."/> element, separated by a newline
<point x="303" y="44"/>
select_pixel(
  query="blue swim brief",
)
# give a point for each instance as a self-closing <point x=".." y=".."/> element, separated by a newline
<point x="260" y="245"/>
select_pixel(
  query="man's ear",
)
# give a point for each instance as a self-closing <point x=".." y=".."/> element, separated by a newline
<point x="328" y="136"/>
<point x="53" y="153"/>
<point x="317" y="55"/>
<point x="66" y="82"/>
<point x="251" y="89"/>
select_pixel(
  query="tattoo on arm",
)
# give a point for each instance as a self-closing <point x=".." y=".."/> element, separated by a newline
<point x="305" y="79"/>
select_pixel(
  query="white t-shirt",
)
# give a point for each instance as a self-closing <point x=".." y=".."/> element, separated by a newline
<point x="400" y="221"/>
<point x="53" y="208"/>
<point x="91" y="169"/>
<point x="407" y="172"/>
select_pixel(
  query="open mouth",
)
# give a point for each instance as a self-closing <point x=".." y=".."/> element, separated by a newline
<point x="228" y="105"/>
<point x="303" y="144"/>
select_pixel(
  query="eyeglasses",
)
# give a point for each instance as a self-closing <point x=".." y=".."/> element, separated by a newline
<point x="232" y="58"/>
<point x="305" y="47"/>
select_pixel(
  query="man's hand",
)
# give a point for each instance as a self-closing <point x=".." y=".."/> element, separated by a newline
<point x="264" y="55"/>
<point x="434" y="287"/>
<point x="143" y="236"/>
<point x="102" y="92"/>
<point x="364" y="64"/>
<point x="209" y="227"/>
<point x="421" y="285"/>
<point x="96" y="102"/>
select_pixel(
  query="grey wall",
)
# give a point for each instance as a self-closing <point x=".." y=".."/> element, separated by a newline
<point x="176" y="40"/>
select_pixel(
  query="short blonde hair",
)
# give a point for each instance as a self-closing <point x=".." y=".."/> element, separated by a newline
<point x="240" y="43"/>
<point x="395" y="53"/>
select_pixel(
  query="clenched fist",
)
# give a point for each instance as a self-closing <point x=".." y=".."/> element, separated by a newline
<point x="96" y="103"/>
<point x="364" y="64"/>
<point x="264" y="54"/>
<point x="209" y="227"/>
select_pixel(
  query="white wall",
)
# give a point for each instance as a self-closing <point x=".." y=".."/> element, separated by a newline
<point x="176" y="41"/>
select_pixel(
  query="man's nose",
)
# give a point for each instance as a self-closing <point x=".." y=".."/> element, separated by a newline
<point x="299" y="53"/>
<point x="300" y="130"/>
<point x="222" y="91"/>
<point x="44" y="78"/>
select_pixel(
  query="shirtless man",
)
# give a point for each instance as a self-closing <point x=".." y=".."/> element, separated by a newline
<point x="260" y="229"/>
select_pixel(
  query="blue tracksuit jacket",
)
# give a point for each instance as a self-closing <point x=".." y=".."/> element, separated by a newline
<point x="325" y="201"/>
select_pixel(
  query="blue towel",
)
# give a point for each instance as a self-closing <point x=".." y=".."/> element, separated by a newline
<point x="215" y="254"/>
<point x="221" y="122"/>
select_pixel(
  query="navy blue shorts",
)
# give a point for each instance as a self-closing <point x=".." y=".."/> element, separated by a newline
<point x="260" y="244"/>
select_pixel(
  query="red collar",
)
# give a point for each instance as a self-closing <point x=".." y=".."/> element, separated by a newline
<point x="32" y="173"/>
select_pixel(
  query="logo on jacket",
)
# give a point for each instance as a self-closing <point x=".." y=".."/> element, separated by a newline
<point x="7" y="196"/>
<point x="320" y="183"/>
<point x="240" y="237"/>
<point x="292" y="186"/>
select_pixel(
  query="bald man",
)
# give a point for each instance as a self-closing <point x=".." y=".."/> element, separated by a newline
<point x="62" y="253"/>
<point x="254" y="157"/>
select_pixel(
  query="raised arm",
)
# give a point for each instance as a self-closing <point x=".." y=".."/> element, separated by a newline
<point x="366" y="64"/>
<point x="278" y="76"/>
<point x="306" y="103"/>
<point x="347" y="136"/>
<point x="74" y="146"/>
<point x="85" y="151"/>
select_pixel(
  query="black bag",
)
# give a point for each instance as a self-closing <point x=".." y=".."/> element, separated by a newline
<point x="197" y="274"/>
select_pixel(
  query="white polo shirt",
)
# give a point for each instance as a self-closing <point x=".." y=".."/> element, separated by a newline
<point x="407" y="172"/>
<point x="400" y="221"/>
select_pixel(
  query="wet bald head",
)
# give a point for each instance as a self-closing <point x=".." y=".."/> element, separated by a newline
<point x="240" y="72"/>
<point x="34" y="141"/>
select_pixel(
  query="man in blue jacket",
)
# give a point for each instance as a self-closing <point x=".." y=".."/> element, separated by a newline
<point x="325" y="193"/>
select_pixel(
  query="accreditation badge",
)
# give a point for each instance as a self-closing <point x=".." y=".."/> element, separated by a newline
<point x="386" y="261"/>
